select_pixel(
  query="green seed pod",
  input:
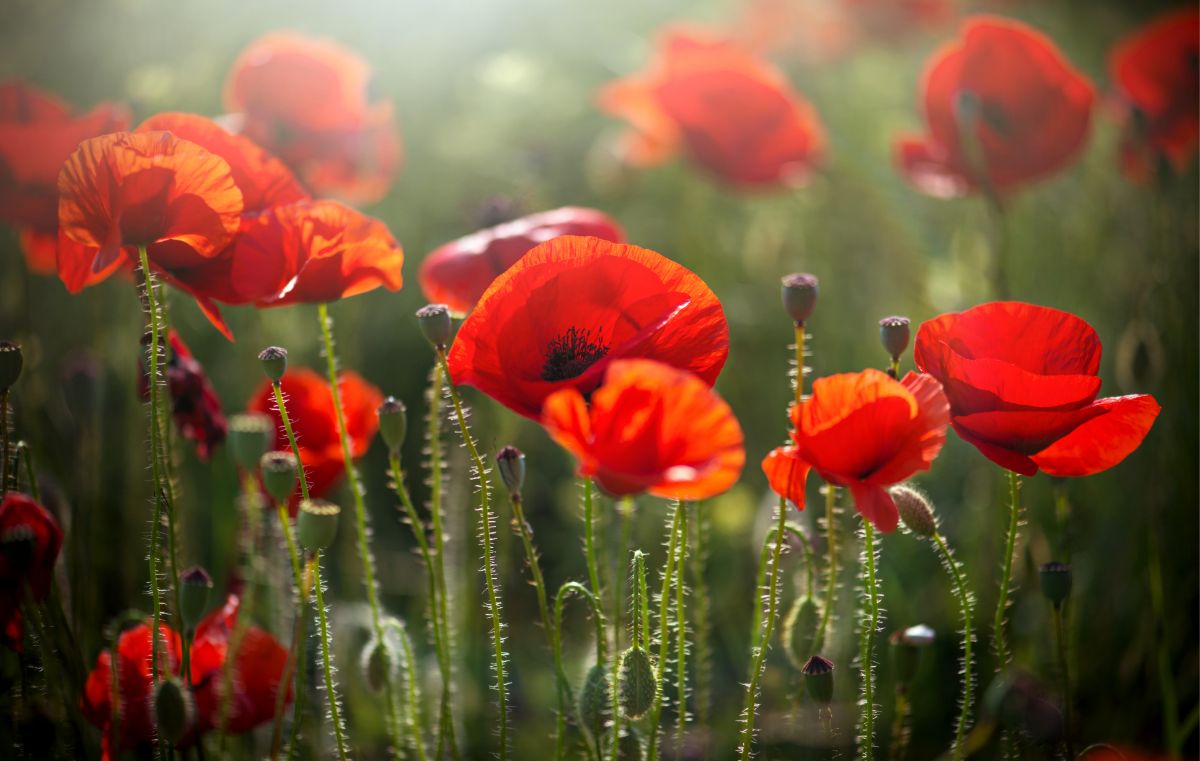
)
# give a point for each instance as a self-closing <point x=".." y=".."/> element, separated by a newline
<point x="1056" y="582"/>
<point x="510" y="461"/>
<point x="894" y="333"/>
<point x="195" y="586"/>
<point x="818" y="678"/>
<point x="377" y="665"/>
<point x="629" y="745"/>
<point x="916" y="512"/>
<point x="11" y="363"/>
<point x="274" y="361"/>
<point x="593" y="700"/>
<point x="393" y="423"/>
<point x="172" y="711"/>
<point x="800" y="630"/>
<point x="435" y="323"/>
<point x="799" y="293"/>
<point x="250" y="435"/>
<point x="637" y="683"/>
<point x="317" y="523"/>
<point x="279" y="474"/>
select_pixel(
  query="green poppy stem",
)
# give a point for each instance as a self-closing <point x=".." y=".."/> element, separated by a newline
<point x="966" y="609"/>
<point x="866" y="645"/>
<point x="335" y="715"/>
<point x="664" y="630"/>
<point x="999" y="639"/>
<point x="831" y="574"/>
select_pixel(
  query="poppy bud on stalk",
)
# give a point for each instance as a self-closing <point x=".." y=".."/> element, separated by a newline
<point x="249" y="437"/>
<point x="907" y="645"/>
<point x="195" y="585"/>
<point x="393" y="423"/>
<point x="800" y="630"/>
<point x="377" y="665"/>
<point x="799" y="294"/>
<point x="510" y="461"/>
<point x="915" y="510"/>
<point x="818" y="678"/>
<point x="894" y="333"/>
<point x="172" y="711"/>
<point x="593" y="700"/>
<point x="11" y="363"/>
<point x="629" y="745"/>
<point x="317" y="524"/>
<point x="435" y="323"/>
<point x="279" y="471"/>
<point x="1056" y="582"/>
<point x="635" y="682"/>
<point x="274" y="361"/>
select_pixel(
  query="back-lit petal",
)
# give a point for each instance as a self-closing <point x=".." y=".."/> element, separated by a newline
<point x="1104" y="440"/>
<point x="787" y="472"/>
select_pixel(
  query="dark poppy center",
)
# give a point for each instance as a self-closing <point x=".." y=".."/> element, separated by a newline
<point x="573" y="352"/>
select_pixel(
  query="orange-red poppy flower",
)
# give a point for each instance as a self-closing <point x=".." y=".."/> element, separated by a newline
<point x="1003" y="108"/>
<point x="649" y="428"/>
<point x="457" y="273"/>
<point x="310" y="408"/>
<point x="734" y="114"/>
<point x="37" y="134"/>
<point x="30" y="539"/>
<point x="309" y="101"/>
<point x="865" y="431"/>
<point x="194" y="404"/>
<point x="1155" y="73"/>
<point x="125" y="190"/>
<point x="570" y="306"/>
<point x="1022" y="384"/>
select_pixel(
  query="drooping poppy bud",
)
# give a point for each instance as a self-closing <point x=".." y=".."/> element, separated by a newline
<point x="274" y="361"/>
<point x="279" y="471"/>
<point x="800" y="630"/>
<point x="393" y="422"/>
<point x="818" y="679"/>
<point x="799" y="293"/>
<point x="195" y="585"/>
<point x="894" y="333"/>
<point x="11" y="362"/>
<point x="510" y="461"/>
<point x="249" y="436"/>
<point x="907" y="645"/>
<point x="1055" y="581"/>
<point x="172" y="710"/>
<point x="629" y="745"/>
<point x="317" y="524"/>
<point x="593" y="700"/>
<point x="636" y="682"/>
<point x="915" y="510"/>
<point x="435" y="323"/>
<point x="377" y="665"/>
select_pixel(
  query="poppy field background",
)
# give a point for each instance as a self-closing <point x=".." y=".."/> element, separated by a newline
<point x="496" y="106"/>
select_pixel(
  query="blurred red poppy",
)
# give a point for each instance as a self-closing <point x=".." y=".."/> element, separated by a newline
<point x="865" y="431"/>
<point x="309" y="101"/>
<point x="457" y="273"/>
<point x="1022" y="385"/>
<point x="1003" y="108"/>
<point x="649" y="428"/>
<point x="1156" y="71"/>
<point x="30" y="539"/>
<point x="1111" y="753"/>
<point x="570" y="306"/>
<point x="310" y="407"/>
<point x="733" y="113"/>
<point x="38" y="131"/>
<point x="194" y="404"/>
<point x="124" y="190"/>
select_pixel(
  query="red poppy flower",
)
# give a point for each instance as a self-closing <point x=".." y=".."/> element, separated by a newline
<point x="570" y="306"/>
<point x="194" y="404"/>
<point x="457" y="273"/>
<point x="37" y="134"/>
<point x="733" y="113"/>
<point x="309" y="102"/>
<point x="30" y="539"/>
<point x="649" y="427"/>
<point x="1110" y="753"/>
<point x="1022" y="386"/>
<point x="865" y="431"/>
<point x="151" y="189"/>
<point x="1003" y="108"/>
<point x="310" y="408"/>
<point x="1155" y="72"/>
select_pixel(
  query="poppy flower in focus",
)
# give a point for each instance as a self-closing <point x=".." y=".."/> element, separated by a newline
<point x="649" y="427"/>
<point x="457" y="273"/>
<point x="865" y="431"/>
<point x="125" y="190"/>
<point x="1156" y="71"/>
<point x="30" y="539"/>
<point x="1003" y="108"/>
<point x="1022" y="385"/>
<point x="734" y="114"/>
<point x="38" y="131"/>
<point x="309" y="101"/>
<point x="194" y="404"/>
<point x="310" y="407"/>
<point x="570" y="306"/>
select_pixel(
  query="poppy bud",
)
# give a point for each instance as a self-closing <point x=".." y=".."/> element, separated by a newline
<point x="800" y="630"/>
<point x="915" y="510"/>
<point x="274" y="362"/>
<point x="249" y="436"/>
<point x="894" y="334"/>
<point x="172" y="711"/>
<point x="393" y="423"/>
<point x="907" y="645"/>
<point x="11" y="362"/>
<point x="593" y="700"/>
<point x="636" y="683"/>
<point x="194" y="587"/>
<point x="317" y="523"/>
<point x="629" y="745"/>
<point x="800" y="296"/>
<point x="818" y="678"/>
<point x="278" y="471"/>
<point x="1056" y="582"/>
<point x="434" y="320"/>
<point x="510" y="461"/>
<point x="377" y="665"/>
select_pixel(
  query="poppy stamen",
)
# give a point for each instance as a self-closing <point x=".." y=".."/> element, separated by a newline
<point x="573" y="352"/>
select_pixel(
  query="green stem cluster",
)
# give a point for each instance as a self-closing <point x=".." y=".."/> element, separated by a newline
<point x="664" y="630"/>
<point x="563" y="685"/>
<point x="999" y="638"/>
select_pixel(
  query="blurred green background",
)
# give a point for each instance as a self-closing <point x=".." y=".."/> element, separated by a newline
<point x="495" y="101"/>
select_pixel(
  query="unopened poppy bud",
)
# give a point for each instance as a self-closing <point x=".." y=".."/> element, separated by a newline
<point x="800" y="630"/>
<point x="894" y="333"/>
<point x="434" y="320"/>
<point x="11" y="363"/>
<point x="800" y="296"/>
<point x="1056" y="582"/>
<point x="279" y="471"/>
<point x="818" y="678"/>
<point x="195" y="586"/>
<point x="915" y="510"/>
<point x="317" y="523"/>
<point x="593" y="700"/>
<point x="510" y="461"/>
<point x="907" y="645"/>
<point x="636" y="683"/>
<point x="250" y="436"/>
<point x="629" y="746"/>
<point x="274" y="362"/>
<point x="393" y="423"/>
<point x="172" y="710"/>
<point x="377" y="665"/>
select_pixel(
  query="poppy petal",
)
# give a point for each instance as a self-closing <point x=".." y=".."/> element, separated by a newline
<point x="876" y="505"/>
<point x="1102" y="441"/>
<point x="787" y="473"/>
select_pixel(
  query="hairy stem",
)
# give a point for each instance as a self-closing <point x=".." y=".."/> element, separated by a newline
<point x="664" y="630"/>
<point x="681" y="715"/>
<point x="866" y="645"/>
<point x="564" y="686"/>
<point x="999" y="640"/>
<point x="281" y="405"/>
<point x="831" y="574"/>
<point x="966" y="609"/>
<point x="799" y="381"/>
<point x="285" y="524"/>
<point x="701" y="612"/>
<point x="335" y="715"/>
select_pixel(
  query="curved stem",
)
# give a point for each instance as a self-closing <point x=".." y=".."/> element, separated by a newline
<point x="831" y="576"/>
<point x="412" y="696"/>
<point x="866" y="645"/>
<point x="335" y="715"/>
<point x="795" y="530"/>
<point x="768" y="629"/>
<point x="285" y="524"/>
<point x="966" y="609"/>
<point x="564" y="687"/>
<point x="664" y="633"/>
<point x="999" y="640"/>
<point x="525" y="531"/>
